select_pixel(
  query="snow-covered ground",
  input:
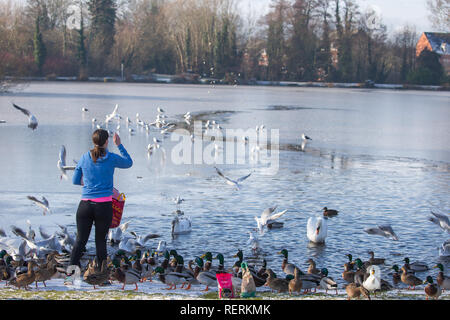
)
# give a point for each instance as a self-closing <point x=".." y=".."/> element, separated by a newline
<point x="155" y="290"/>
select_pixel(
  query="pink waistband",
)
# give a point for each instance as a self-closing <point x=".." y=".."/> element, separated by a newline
<point x="102" y="199"/>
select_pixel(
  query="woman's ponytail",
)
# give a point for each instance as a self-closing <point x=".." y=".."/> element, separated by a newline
<point x="99" y="137"/>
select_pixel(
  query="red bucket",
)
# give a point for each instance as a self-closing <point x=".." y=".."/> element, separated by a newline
<point x="118" y="202"/>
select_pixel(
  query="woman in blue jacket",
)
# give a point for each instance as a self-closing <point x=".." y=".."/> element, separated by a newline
<point x="95" y="172"/>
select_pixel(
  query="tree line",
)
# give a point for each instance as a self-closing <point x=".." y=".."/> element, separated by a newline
<point x="298" y="40"/>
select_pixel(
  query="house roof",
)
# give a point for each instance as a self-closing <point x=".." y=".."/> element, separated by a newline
<point x="440" y="42"/>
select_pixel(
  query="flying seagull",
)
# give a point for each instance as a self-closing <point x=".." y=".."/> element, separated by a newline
<point x="267" y="217"/>
<point x="43" y="204"/>
<point x="441" y="220"/>
<point x="32" y="121"/>
<point x="112" y="115"/>
<point x="384" y="230"/>
<point x="62" y="163"/>
<point x="230" y="181"/>
<point x="305" y="137"/>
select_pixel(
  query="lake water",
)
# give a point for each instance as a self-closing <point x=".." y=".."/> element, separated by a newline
<point x="377" y="156"/>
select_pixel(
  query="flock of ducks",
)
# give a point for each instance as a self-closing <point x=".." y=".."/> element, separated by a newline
<point x="25" y="261"/>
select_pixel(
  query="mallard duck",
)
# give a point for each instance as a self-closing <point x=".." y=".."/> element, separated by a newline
<point x="442" y="280"/>
<point x="277" y="284"/>
<point x="7" y="271"/>
<point x="220" y="267"/>
<point x="329" y="212"/>
<point x="375" y="261"/>
<point x="126" y="274"/>
<point x="348" y="275"/>
<point x="409" y="279"/>
<point x="287" y="268"/>
<point x="208" y="266"/>
<point x="312" y="267"/>
<point x="206" y="278"/>
<point x="396" y="277"/>
<point x="194" y="272"/>
<point x="295" y="285"/>
<point x="354" y="291"/>
<point x="432" y="290"/>
<point x="373" y="281"/>
<point x="327" y="282"/>
<point x="350" y="261"/>
<point x="25" y="279"/>
<point x="99" y="276"/>
<point x="171" y="278"/>
<point x="316" y="229"/>
<point x="259" y="280"/>
<point x="415" y="266"/>
<point x="360" y="274"/>
<point x="147" y="268"/>
<point x="47" y="271"/>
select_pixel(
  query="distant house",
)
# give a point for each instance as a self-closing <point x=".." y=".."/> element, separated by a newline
<point x="263" y="59"/>
<point x="436" y="42"/>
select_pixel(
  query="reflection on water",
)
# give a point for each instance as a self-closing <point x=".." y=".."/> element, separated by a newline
<point x="384" y="160"/>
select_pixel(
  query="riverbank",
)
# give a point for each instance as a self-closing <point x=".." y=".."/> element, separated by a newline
<point x="180" y="79"/>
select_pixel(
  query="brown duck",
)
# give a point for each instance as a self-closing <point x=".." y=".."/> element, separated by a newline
<point x="25" y="279"/>
<point x="375" y="261"/>
<point x="410" y="279"/>
<point x="98" y="276"/>
<point x="277" y="284"/>
<point x="312" y="267"/>
<point x="295" y="285"/>
<point x="348" y="275"/>
<point x="354" y="291"/>
<point x="46" y="271"/>
<point x="329" y="212"/>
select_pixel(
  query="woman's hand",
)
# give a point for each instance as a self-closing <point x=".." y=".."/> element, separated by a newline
<point x="116" y="139"/>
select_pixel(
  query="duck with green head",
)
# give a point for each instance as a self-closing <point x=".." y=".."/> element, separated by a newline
<point x="351" y="263"/>
<point x="416" y="266"/>
<point x="171" y="278"/>
<point x="125" y="273"/>
<point x="221" y="266"/>
<point x="288" y="268"/>
<point x="396" y="277"/>
<point x="432" y="290"/>
<point x="442" y="279"/>
<point x="327" y="282"/>
<point x="206" y="278"/>
<point x="360" y="274"/>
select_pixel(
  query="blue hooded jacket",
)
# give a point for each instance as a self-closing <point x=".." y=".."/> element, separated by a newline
<point x="98" y="177"/>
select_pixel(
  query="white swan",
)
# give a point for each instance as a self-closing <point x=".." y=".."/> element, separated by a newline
<point x="181" y="224"/>
<point x="317" y="228"/>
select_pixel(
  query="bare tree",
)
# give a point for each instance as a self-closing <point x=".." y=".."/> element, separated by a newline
<point x="439" y="14"/>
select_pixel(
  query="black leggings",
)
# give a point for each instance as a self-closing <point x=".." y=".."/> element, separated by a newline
<point x="89" y="212"/>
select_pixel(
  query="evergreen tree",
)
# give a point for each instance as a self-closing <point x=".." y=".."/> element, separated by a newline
<point x="103" y="17"/>
<point x="81" y="50"/>
<point x="40" y="52"/>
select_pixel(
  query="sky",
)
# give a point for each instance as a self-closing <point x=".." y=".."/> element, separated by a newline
<point x="394" y="13"/>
